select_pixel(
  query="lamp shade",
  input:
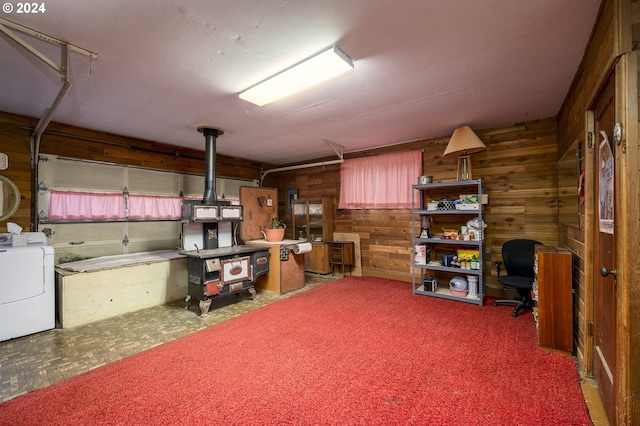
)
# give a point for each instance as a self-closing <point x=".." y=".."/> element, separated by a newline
<point x="464" y="141"/>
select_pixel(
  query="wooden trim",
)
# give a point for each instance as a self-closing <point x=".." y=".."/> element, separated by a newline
<point x="623" y="35"/>
<point x="627" y="236"/>
<point x="632" y="142"/>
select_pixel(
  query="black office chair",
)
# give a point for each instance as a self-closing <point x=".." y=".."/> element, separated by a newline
<point x="518" y="256"/>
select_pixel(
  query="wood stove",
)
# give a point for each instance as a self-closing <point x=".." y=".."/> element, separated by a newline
<point x="216" y="266"/>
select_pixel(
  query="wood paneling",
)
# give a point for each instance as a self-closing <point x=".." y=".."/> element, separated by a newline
<point x="15" y="143"/>
<point x="573" y="239"/>
<point x="597" y="62"/>
<point x="628" y="227"/>
<point x="614" y="35"/>
<point x="256" y="215"/>
<point x="631" y="237"/>
<point x="522" y="188"/>
<point x="572" y="132"/>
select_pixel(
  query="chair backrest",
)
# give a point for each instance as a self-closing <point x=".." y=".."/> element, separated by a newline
<point x="518" y="257"/>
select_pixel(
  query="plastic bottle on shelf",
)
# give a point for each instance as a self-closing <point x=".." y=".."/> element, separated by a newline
<point x="475" y="263"/>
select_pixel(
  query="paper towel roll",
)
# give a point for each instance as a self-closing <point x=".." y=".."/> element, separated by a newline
<point x="301" y="248"/>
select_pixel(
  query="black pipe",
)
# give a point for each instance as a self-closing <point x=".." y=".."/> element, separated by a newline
<point x="210" y="136"/>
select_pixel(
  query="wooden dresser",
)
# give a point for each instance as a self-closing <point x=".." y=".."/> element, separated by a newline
<point x="553" y="291"/>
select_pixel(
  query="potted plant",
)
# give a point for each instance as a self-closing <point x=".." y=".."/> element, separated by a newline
<point x="274" y="231"/>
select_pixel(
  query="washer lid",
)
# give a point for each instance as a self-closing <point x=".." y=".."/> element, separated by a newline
<point x="23" y="273"/>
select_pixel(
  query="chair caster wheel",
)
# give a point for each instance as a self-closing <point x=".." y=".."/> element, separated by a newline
<point x="495" y="303"/>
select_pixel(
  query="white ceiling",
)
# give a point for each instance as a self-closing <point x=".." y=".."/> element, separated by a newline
<point x="422" y="68"/>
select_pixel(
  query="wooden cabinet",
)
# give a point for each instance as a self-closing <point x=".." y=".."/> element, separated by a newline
<point x="313" y="219"/>
<point x="313" y="222"/>
<point x="342" y="253"/>
<point x="552" y="289"/>
<point x="286" y="272"/>
<point x="317" y="260"/>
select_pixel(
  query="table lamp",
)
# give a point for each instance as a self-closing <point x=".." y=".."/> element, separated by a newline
<point x="464" y="142"/>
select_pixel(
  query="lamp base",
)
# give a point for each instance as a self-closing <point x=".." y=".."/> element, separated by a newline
<point x="464" y="167"/>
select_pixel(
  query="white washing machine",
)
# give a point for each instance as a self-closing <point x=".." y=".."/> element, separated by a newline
<point x="27" y="289"/>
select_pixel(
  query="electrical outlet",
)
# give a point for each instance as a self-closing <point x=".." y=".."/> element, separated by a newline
<point x="4" y="161"/>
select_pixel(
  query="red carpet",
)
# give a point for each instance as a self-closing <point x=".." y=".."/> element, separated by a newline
<point x="358" y="351"/>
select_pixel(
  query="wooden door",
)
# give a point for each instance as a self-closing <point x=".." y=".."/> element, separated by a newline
<point x="605" y="306"/>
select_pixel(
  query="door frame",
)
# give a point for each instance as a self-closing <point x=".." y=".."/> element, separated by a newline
<point x="627" y="256"/>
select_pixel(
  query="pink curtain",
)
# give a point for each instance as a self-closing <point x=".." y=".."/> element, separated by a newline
<point x="380" y="182"/>
<point x="69" y="205"/>
<point x="154" y="207"/>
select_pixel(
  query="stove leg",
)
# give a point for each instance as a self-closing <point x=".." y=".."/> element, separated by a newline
<point x="204" y="307"/>
<point x="187" y="300"/>
<point x="252" y="293"/>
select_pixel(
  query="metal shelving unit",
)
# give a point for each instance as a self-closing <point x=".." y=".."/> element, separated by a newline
<point x="438" y="244"/>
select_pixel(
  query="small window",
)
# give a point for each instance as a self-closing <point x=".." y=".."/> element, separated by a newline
<point x="379" y="182"/>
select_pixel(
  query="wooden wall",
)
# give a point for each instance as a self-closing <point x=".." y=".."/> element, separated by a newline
<point x="15" y="143"/>
<point x="519" y="170"/>
<point x="522" y="187"/>
<point x="572" y="134"/>
<point x="632" y="228"/>
<point x="615" y="35"/>
<point x="74" y="142"/>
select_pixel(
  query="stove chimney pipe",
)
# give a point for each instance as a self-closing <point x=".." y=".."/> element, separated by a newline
<point x="210" y="136"/>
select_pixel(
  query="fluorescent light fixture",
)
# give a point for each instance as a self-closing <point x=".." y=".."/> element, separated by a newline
<point x="321" y="67"/>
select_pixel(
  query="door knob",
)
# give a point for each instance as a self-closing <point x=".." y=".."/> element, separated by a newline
<point x="606" y="272"/>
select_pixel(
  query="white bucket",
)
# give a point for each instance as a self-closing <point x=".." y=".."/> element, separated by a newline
<point x="473" y="286"/>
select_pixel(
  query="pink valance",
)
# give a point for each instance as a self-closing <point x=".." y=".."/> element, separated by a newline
<point x="379" y="182"/>
<point x="154" y="207"/>
<point x="77" y="205"/>
<point x="70" y="205"/>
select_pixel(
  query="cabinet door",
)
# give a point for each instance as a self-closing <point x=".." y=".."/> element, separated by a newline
<point x="555" y="304"/>
<point x="317" y="260"/>
<point x="300" y="231"/>
<point x="313" y="219"/>
<point x="316" y="225"/>
<point x="348" y="254"/>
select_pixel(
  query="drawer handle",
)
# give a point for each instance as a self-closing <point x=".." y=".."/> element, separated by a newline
<point x="76" y="243"/>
